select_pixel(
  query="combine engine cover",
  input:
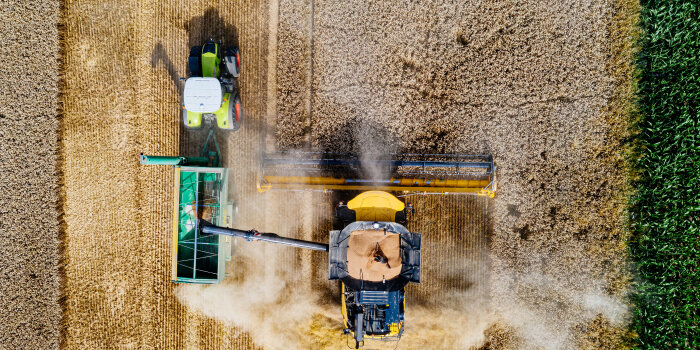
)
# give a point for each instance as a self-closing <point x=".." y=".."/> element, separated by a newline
<point x="374" y="261"/>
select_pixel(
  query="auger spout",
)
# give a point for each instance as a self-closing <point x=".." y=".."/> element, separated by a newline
<point x="253" y="235"/>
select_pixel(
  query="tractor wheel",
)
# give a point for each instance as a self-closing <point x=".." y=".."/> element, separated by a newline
<point x="238" y="110"/>
<point x="235" y="113"/>
<point x="233" y="61"/>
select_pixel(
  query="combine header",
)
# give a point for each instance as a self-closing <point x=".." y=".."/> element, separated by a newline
<point x="420" y="174"/>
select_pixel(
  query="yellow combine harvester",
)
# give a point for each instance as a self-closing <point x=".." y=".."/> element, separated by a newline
<point x="372" y="253"/>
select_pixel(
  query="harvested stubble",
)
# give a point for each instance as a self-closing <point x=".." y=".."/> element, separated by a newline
<point x="121" y="98"/>
<point x="29" y="201"/>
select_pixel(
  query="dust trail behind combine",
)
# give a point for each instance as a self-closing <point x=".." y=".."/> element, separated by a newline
<point x="450" y="309"/>
<point x="267" y="294"/>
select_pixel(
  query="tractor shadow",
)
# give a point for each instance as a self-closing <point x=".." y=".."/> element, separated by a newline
<point x="200" y="29"/>
<point x="210" y="25"/>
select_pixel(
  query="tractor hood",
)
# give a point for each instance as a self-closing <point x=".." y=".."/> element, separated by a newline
<point x="202" y="95"/>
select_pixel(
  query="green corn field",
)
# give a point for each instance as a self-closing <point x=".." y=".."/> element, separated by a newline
<point x="665" y="212"/>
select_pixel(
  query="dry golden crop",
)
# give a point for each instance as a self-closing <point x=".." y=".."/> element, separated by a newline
<point x="29" y="194"/>
<point x="543" y="88"/>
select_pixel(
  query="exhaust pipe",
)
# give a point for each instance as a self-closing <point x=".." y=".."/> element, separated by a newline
<point x="359" y="333"/>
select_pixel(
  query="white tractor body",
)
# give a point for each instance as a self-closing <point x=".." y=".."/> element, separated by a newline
<point x="202" y="95"/>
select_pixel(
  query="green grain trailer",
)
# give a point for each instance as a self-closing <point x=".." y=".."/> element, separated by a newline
<point x="200" y="192"/>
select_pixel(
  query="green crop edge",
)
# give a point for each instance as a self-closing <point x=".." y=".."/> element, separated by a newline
<point x="665" y="209"/>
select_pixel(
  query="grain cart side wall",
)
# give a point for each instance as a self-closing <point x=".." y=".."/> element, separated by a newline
<point x="200" y="193"/>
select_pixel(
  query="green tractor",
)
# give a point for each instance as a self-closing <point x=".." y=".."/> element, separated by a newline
<point x="211" y="90"/>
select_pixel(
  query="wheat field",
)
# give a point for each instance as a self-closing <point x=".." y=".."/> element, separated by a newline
<point x="30" y="213"/>
<point x="544" y="89"/>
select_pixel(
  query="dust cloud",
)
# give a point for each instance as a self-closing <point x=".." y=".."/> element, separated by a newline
<point x="545" y="312"/>
<point x="458" y="321"/>
<point x="269" y="295"/>
<point x="264" y="299"/>
<point x="531" y="311"/>
<point x="259" y="299"/>
<point x="373" y="143"/>
<point x="267" y="291"/>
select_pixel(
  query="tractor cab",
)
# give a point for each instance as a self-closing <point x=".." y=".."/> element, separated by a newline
<point x="211" y="92"/>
